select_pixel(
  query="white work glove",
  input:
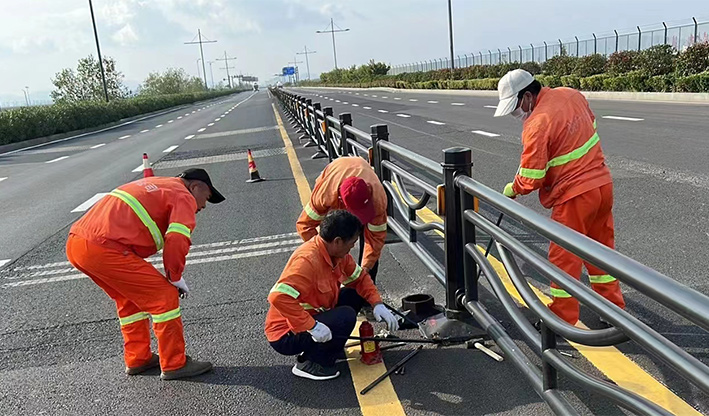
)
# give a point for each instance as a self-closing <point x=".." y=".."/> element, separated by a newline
<point x="320" y="332"/>
<point x="382" y="313"/>
<point x="181" y="285"/>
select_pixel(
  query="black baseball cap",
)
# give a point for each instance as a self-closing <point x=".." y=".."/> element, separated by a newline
<point x="199" y="174"/>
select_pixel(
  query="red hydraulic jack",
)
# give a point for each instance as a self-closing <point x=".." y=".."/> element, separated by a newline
<point x="371" y="354"/>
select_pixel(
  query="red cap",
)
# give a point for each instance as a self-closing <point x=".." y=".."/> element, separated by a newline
<point x="357" y="197"/>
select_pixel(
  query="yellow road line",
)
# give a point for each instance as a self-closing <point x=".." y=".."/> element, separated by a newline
<point x="381" y="401"/>
<point x="609" y="360"/>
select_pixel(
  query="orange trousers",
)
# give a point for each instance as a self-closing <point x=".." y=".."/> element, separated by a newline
<point x="139" y="291"/>
<point x="591" y="214"/>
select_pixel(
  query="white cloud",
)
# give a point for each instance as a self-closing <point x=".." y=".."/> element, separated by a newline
<point x="126" y="36"/>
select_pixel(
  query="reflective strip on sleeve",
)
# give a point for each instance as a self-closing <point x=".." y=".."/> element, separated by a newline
<point x="285" y="289"/>
<point x="377" y="228"/>
<point x="312" y="214"/>
<point x="176" y="227"/>
<point x="561" y="160"/>
<point x="559" y="293"/>
<point x="309" y="307"/>
<point x="354" y="276"/>
<point x="167" y="316"/>
<point x="133" y="318"/>
<point x="595" y="126"/>
<point x="142" y="214"/>
<point x="604" y="278"/>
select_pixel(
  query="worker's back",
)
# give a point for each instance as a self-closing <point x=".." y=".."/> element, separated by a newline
<point x="561" y="139"/>
<point x="115" y="221"/>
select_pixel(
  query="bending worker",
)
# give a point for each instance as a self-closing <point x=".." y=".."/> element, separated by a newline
<point x="562" y="158"/>
<point x="109" y="244"/>
<point x="350" y="183"/>
<point x="315" y="302"/>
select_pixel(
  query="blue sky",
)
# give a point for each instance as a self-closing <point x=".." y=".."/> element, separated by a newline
<point x="40" y="37"/>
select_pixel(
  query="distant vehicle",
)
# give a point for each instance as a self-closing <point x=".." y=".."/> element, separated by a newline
<point x="279" y="85"/>
<point x="255" y="86"/>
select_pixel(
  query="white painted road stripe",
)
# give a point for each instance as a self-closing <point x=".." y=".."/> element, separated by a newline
<point x="432" y="102"/>
<point x="138" y="169"/>
<point x="179" y="117"/>
<point x="490" y="106"/>
<point x="90" y="202"/>
<point x="171" y="121"/>
<point x="145" y="131"/>
<point x="4" y="262"/>
<point x="189" y="137"/>
<point x="217" y="119"/>
<point x="201" y="130"/>
<point x="624" y="118"/>
<point x="345" y="102"/>
<point x="2" y="179"/>
<point x="374" y="96"/>
<point x="57" y="159"/>
<point x="337" y="101"/>
<point x="367" y="108"/>
<point x="98" y="145"/>
<point x="438" y="123"/>
<point x="383" y="111"/>
<point x="158" y="126"/>
<point x="485" y="133"/>
<point x="355" y="105"/>
<point x="170" y="149"/>
<point x="413" y="99"/>
<point x="124" y="137"/>
<point x="403" y="115"/>
<point x="457" y="103"/>
<point x="210" y="124"/>
<point x="397" y="98"/>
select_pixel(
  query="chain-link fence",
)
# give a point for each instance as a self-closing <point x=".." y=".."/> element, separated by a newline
<point x="679" y="35"/>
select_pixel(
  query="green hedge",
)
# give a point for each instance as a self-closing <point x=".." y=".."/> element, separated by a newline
<point x="27" y="123"/>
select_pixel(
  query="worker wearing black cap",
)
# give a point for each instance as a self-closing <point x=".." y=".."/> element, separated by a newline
<point x="110" y="243"/>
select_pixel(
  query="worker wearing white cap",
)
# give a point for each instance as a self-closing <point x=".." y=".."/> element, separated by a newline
<point x="562" y="157"/>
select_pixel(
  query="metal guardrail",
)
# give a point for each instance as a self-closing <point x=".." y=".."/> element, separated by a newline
<point x="680" y="36"/>
<point x="450" y="184"/>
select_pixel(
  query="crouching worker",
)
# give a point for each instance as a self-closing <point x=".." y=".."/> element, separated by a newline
<point x="315" y="302"/>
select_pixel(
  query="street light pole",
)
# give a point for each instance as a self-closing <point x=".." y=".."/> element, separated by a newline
<point x="98" y="49"/>
<point x="333" y="31"/>
<point x="450" y="32"/>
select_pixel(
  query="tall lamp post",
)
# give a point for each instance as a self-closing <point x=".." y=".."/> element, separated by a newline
<point x="332" y="31"/>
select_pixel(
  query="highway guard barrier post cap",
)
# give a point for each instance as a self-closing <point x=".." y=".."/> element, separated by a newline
<point x="201" y="175"/>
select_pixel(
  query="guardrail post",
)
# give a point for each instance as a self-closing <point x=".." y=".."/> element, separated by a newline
<point x="345" y="120"/>
<point x="328" y="136"/>
<point x="301" y="115"/>
<point x="456" y="161"/>
<point x="549" y="376"/>
<point x="308" y="122"/>
<point x="314" y="127"/>
<point x="380" y="132"/>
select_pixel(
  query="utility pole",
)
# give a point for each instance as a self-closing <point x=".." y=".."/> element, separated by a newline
<point x="201" y="52"/>
<point x="98" y="49"/>
<point x="211" y="74"/>
<point x="450" y="32"/>
<point x="306" y="52"/>
<point x="226" y="66"/>
<point x="27" y="99"/>
<point x="333" y="31"/>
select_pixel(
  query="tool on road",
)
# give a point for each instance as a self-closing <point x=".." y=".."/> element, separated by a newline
<point x="388" y="347"/>
<point x="490" y="353"/>
<point x="391" y="370"/>
<point x="253" y="171"/>
<point x="147" y="169"/>
<point x="489" y="245"/>
<point x="370" y="344"/>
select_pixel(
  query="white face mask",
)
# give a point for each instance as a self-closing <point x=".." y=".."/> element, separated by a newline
<point x="522" y="115"/>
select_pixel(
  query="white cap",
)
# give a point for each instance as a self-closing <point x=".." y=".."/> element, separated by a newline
<point x="509" y="86"/>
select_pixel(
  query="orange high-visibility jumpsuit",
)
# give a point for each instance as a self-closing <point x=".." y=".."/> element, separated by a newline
<point x="562" y="157"/>
<point x="326" y="197"/>
<point x="109" y="244"/>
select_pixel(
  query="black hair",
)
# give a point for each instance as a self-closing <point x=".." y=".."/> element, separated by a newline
<point x="340" y="223"/>
<point x="534" y="88"/>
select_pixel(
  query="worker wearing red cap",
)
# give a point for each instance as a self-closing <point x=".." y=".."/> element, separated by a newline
<point x="562" y="157"/>
<point x="350" y="183"/>
<point x="110" y="243"/>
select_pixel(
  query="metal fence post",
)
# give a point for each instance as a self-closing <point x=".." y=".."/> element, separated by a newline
<point x="380" y="132"/>
<point x="595" y="44"/>
<point x="549" y="375"/>
<point x="696" y="30"/>
<point x="499" y="55"/>
<point x="321" y="138"/>
<point x="329" y="144"/>
<point x="546" y="51"/>
<point x="532" y="51"/>
<point x="665" y="26"/>
<point x="308" y="121"/>
<point x="561" y="48"/>
<point x="345" y="120"/>
<point x="616" y="40"/>
<point x="314" y="127"/>
<point x="481" y="57"/>
<point x="577" y="46"/>
<point x="470" y="267"/>
<point x="456" y="161"/>
<point x="640" y="35"/>
<point x="520" y="53"/>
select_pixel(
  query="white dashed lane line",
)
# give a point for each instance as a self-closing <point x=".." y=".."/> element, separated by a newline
<point x="374" y="96"/>
<point x="623" y="118"/>
<point x="485" y="133"/>
<point x="355" y="105"/>
<point x="490" y="106"/>
<point x="90" y="202"/>
<point x="201" y="130"/>
<point x="145" y="131"/>
<point x="413" y="99"/>
<point x="383" y="111"/>
<point x="438" y="123"/>
<point x="385" y="97"/>
<point x="457" y="103"/>
<point x="57" y="159"/>
<point x="2" y="179"/>
<point x="397" y="98"/>
<point x="217" y="119"/>
<point x="170" y="121"/>
<point x="210" y="124"/>
<point x="345" y="102"/>
<point x="97" y="146"/>
<point x="4" y="262"/>
<point x="189" y="137"/>
<point x="170" y="149"/>
<point x="367" y="108"/>
<point x="432" y="102"/>
<point x="337" y="101"/>
<point x="158" y="126"/>
<point x="124" y="137"/>
<point x="403" y="115"/>
<point x="179" y="117"/>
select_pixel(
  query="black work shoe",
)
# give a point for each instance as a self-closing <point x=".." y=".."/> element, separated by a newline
<point x="152" y="363"/>
<point x="190" y="369"/>
<point x="314" y="371"/>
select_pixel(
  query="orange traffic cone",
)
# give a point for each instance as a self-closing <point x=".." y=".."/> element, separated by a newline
<point x="253" y="171"/>
<point x="147" y="170"/>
